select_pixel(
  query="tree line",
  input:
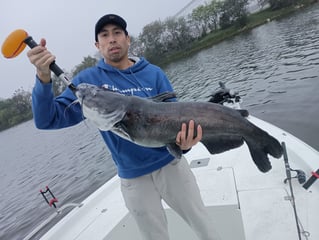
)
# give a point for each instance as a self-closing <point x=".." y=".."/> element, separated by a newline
<point x="15" y="110"/>
<point x="158" y="41"/>
<point x="161" y="39"/>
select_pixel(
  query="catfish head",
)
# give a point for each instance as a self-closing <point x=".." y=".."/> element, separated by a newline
<point x="104" y="107"/>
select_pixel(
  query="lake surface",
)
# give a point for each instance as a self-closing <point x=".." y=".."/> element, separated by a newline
<point x="275" y="68"/>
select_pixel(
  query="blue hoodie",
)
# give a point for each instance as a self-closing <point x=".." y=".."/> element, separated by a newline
<point x="142" y="79"/>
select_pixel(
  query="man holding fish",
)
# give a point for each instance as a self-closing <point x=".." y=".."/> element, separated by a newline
<point x="147" y="175"/>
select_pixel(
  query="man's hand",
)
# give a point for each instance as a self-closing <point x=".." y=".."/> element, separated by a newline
<point x="186" y="139"/>
<point x="41" y="58"/>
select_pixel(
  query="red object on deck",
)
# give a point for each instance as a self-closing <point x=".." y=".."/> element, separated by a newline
<point x="53" y="201"/>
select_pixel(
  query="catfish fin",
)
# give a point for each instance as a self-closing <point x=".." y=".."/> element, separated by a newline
<point x="243" y="112"/>
<point x="174" y="150"/>
<point x="259" y="156"/>
<point x="121" y="130"/>
<point x="163" y="97"/>
<point x="222" y="143"/>
<point x="259" y="150"/>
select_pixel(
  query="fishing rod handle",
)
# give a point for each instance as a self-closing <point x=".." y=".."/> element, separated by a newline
<point x="311" y="180"/>
<point x="53" y="66"/>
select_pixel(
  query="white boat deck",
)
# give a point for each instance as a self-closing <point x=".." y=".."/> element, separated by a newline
<point x="245" y="203"/>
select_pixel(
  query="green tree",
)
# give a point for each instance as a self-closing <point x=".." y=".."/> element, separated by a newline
<point x="200" y="17"/>
<point x="277" y="4"/>
<point x="136" y="48"/>
<point x="233" y="12"/>
<point x="177" y="33"/>
<point x="86" y="62"/>
<point x="205" y="17"/>
<point x="15" y="110"/>
<point x="214" y="8"/>
<point x="5" y="113"/>
<point x="22" y="102"/>
<point x="153" y="39"/>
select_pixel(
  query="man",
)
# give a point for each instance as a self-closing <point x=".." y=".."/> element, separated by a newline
<point x="148" y="175"/>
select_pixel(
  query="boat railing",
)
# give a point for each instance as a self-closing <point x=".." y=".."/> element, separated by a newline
<point x="50" y="218"/>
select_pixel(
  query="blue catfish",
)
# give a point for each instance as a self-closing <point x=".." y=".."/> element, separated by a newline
<point x="155" y="123"/>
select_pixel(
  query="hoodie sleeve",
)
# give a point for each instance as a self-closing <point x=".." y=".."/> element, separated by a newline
<point x="54" y="113"/>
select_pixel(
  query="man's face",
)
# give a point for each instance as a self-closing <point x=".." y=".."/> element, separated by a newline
<point x="113" y="44"/>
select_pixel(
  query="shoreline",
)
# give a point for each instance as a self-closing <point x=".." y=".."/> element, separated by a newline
<point x="253" y="20"/>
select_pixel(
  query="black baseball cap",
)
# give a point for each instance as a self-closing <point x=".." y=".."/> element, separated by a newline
<point x="109" y="19"/>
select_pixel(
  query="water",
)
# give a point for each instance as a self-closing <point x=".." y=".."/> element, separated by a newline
<point x="274" y="67"/>
<point x="72" y="162"/>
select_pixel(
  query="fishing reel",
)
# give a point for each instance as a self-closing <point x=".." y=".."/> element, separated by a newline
<point x="225" y="96"/>
<point x="300" y="175"/>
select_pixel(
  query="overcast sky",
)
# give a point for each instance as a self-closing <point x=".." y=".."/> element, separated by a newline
<point x="68" y="26"/>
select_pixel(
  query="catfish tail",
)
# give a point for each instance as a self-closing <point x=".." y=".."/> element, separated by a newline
<point x="260" y="149"/>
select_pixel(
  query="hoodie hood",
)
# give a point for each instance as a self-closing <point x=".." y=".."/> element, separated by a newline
<point x="139" y="65"/>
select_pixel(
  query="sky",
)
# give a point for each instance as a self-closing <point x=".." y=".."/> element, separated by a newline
<point x="68" y="27"/>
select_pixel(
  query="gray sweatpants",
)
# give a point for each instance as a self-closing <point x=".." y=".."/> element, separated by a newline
<point x="176" y="185"/>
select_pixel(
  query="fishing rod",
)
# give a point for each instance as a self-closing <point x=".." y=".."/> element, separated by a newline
<point x="288" y="173"/>
<point x="16" y="42"/>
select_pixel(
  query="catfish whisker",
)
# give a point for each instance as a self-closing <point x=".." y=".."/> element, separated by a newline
<point x="72" y="104"/>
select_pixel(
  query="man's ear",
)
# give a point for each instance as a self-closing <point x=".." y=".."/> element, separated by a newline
<point x="128" y="40"/>
<point x="97" y="45"/>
